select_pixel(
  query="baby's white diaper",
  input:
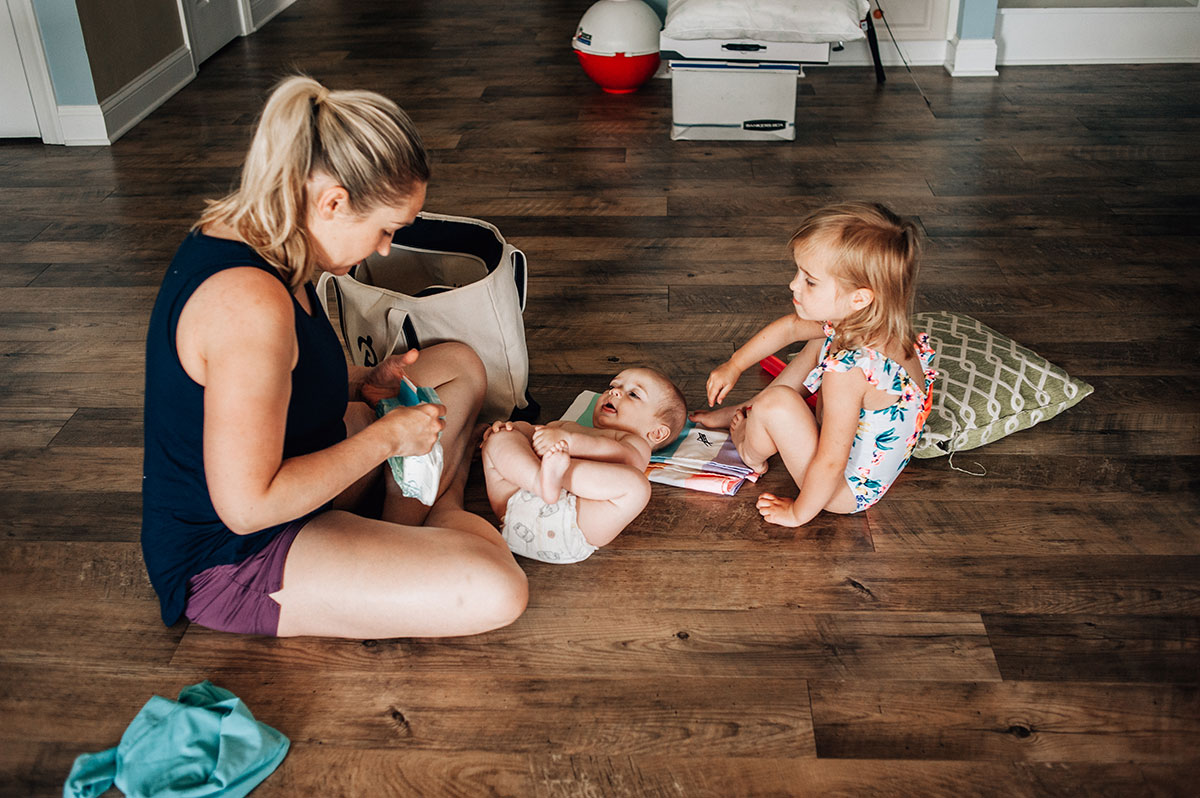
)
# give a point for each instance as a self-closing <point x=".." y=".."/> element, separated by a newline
<point x="545" y="532"/>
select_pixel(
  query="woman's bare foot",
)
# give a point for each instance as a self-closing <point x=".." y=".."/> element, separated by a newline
<point x="737" y="434"/>
<point x="776" y="510"/>
<point x="716" y="419"/>
<point x="550" y="476"/>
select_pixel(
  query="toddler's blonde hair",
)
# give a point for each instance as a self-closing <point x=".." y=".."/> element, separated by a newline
<point x="361" y="139"/>
<point x="872" y="248"/>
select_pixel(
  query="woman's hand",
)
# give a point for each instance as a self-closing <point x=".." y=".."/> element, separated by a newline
<point x="414" y="429"/>
<point x="720" y="381"/>
<point x="544" y="438"/>
<point x="384" y="380"/>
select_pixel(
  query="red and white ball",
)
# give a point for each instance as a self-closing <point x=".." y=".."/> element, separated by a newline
<point x="617" y="44"/>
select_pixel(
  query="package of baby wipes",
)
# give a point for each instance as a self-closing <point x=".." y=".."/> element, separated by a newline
<point x="417" y="475"/>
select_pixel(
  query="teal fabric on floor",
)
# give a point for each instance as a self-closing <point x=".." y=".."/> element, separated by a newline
<point x="206" y="744"/>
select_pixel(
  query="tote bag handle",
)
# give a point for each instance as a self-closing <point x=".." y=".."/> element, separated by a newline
<point x="405" y="335"/>
<point x="520" y="276"/>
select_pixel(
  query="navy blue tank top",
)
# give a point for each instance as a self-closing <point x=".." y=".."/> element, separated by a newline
<point x="181" y="532"/>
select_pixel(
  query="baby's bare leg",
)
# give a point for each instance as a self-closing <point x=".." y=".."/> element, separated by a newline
<point x="608" y="497"/>
<point x="510" y="464"/>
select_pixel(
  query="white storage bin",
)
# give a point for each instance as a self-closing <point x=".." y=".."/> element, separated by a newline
<point x="727" y="100"/>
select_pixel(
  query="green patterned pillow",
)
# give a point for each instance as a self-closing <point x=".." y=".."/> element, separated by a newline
<point x="988" y="385"/>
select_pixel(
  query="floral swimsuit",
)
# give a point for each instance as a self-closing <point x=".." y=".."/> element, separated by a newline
<point x="885" y="438"/>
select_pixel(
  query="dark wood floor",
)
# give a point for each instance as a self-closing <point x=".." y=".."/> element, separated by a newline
<point x="1032" y="632"/>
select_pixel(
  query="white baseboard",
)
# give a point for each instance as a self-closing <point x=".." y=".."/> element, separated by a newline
<point x="82" y="126"/>
<point x="971" y="58"/>
<point x="1098" y="35"/>
<point x="261" y="11"/>
<point x="152" y="88"/>
<point x="918" y="53"/>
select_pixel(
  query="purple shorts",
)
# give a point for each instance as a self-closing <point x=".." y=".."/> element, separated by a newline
<point x="237" y="597"/>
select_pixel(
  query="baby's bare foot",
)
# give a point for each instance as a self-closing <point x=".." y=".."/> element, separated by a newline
<point x="737" y="434"/>
<point x="715" y="419"/>
<point x="550" y="475"/>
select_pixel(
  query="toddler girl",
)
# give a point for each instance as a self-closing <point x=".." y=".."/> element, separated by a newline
<point x="853" y="293"/>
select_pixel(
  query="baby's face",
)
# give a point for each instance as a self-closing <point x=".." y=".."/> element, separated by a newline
<point x="631" y="403"/>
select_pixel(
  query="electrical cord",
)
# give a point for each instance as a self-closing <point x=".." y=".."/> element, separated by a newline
<point x="883" y="16"/>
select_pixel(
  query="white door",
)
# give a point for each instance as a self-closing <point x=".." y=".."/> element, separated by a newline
<point x="212" y="24"/>
<point x="17" y="116"/>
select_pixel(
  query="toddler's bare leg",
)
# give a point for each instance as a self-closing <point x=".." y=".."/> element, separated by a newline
<point x="792" y="376"/>
<point x="720" y="418"/>
<point x="608" y="497"/>
<point x="780" y="421"/>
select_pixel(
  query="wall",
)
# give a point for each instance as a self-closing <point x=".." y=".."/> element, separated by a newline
<point x="125" y="38"/>
<point x="66" y="57"/>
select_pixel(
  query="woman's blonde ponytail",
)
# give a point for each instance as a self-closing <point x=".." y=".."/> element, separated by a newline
<point x="359" y="138"/>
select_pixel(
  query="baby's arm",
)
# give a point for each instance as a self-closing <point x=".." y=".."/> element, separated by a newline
<point x="608" y="446"/>
<point x="769" y="340"/>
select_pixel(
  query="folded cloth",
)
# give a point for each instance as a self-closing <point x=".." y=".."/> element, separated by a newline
<point x="417" y="475"/>
<point x="699" y="459"/>
<point x="206" y="744"/>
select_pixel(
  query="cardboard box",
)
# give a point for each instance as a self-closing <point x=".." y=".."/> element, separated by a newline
<point x="726" y="100"/>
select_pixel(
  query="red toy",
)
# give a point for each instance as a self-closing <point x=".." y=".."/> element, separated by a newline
<point x="617" y="44"/>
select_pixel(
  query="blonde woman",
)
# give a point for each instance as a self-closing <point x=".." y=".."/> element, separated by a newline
<point x="259" y="448"/>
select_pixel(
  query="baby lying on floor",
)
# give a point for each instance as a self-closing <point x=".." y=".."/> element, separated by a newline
<point x="563" y="490"/>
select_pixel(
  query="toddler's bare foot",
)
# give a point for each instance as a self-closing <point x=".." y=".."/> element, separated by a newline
<point x="715" y="419"/>
<point x="550" y="475"/>
<point x="737" y="434"/>
<point x="777" y="510"/>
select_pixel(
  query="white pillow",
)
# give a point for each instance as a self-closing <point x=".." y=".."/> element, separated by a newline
<point x="766" y="20"/>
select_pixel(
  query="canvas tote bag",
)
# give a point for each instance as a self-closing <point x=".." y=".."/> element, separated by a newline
<point x="448" y="278"/>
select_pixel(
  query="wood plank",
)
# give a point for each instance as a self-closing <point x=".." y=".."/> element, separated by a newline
<point x="68" y="300"/>
<point x="692" y="716"/>
<point x="32" y="426"/>
<point x="1127" y="525"/>
<point x="102" y="426"/>
<point x="103" y="516"/>
<point x="73" y="468"/>
<point x="48" y="325"/>
<point x="1005" y="721"/>
<point x="766" y="644"/>
<point x="88" y="572"/>
<point x="83" y="389"/>
<point x="598" y="775"/>
<point x="74" y="357"/>
<point x="65" y="631"/>
<point x="1099" y="648"/>
<point x="20" y="274"/>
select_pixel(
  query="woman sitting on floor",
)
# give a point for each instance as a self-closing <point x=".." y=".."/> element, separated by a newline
<point x="261" y="456"/>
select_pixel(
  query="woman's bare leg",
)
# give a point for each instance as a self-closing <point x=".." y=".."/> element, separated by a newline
<point x="349" y="576"/>
<point x="458" y="376"/>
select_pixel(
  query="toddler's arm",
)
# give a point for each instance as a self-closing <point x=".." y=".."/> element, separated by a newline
<point x="608" y="446"/>
<point x="769" y="340"/>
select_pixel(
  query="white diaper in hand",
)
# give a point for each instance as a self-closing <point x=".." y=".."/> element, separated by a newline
<point x="417" y="475"/>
